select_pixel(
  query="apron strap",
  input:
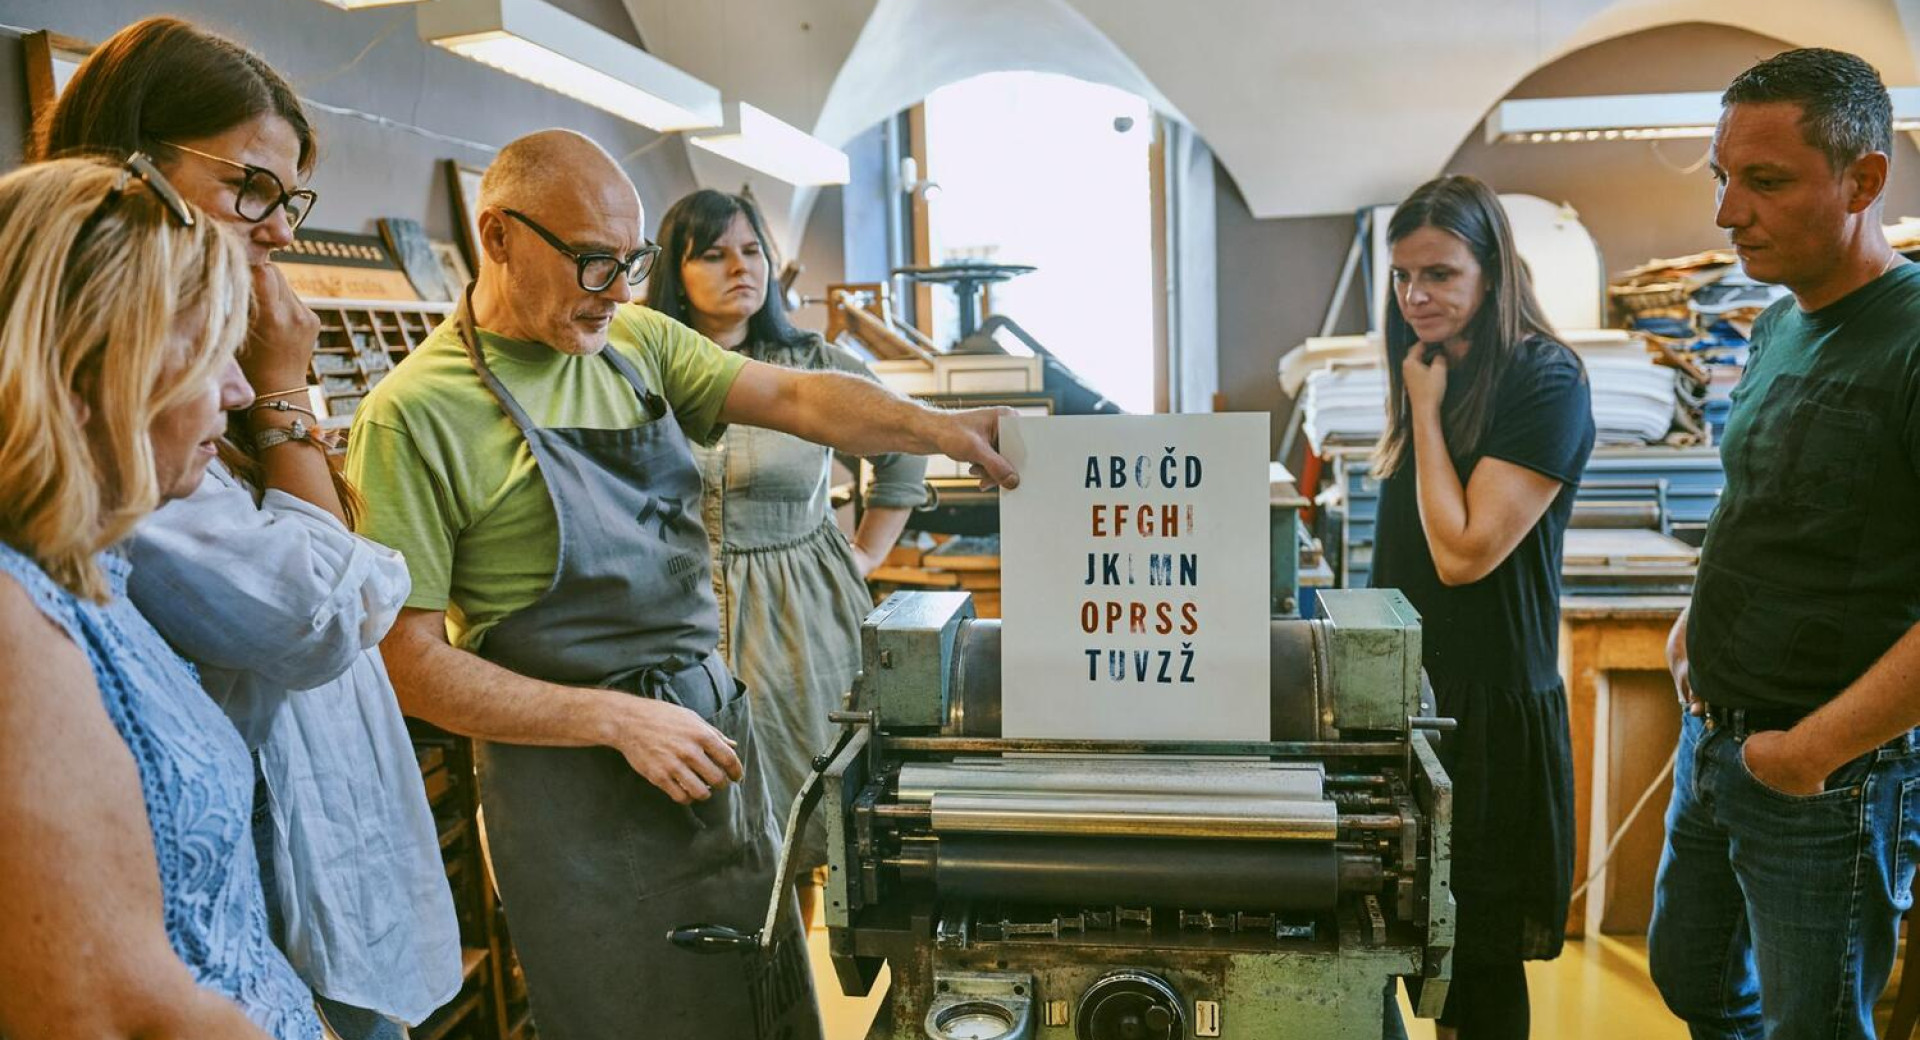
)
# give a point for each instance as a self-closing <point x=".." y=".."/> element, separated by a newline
<point x="463" y="321"/>
<point x="655" y="405"/>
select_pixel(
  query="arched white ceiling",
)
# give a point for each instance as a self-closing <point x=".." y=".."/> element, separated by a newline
<point x="780" y="56"/>
<point x="1874" y="29"/>
<point x="1312" y="107"/>
<point x="858" y="62"/>
<point x="910" y="48"/>
<point x="1320" y="108"/>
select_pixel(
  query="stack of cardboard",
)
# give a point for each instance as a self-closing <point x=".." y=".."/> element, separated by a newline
<point x="967" y="563"/>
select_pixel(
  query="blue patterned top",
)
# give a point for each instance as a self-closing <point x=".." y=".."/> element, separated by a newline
<point x="197" y="780"/>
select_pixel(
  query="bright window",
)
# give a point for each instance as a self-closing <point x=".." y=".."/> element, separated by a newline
<point x="1052" y="171"/>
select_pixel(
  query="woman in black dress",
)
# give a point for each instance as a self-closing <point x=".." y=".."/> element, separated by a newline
<point x="1489" y="425"/>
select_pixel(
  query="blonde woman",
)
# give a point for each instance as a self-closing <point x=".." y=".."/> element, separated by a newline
<point x="128" y="887"/>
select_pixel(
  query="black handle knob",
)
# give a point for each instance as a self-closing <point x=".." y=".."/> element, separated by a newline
<point x="713" y="938"/>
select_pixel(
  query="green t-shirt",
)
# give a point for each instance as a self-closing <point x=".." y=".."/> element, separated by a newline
<point x="451" y="484"/>
<point x="1811" y="568"/>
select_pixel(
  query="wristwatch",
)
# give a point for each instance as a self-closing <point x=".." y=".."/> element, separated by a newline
<point x="299" y="431"/>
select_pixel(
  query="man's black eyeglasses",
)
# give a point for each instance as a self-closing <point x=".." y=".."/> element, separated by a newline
<point x="596" y="270"/>
<point x="261" y="190"/>
<point x="139" y="165"/>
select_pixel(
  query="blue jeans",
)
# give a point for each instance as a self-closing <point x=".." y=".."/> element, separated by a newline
<point x="1776" y="916"/>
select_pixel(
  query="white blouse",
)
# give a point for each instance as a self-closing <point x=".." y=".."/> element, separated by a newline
<point x="283" y="609"/>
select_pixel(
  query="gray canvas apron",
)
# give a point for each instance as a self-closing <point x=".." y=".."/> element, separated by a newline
<point x="595" y="865"/>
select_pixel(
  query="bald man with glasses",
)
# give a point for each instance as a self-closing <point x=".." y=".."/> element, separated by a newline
<point x="532" y="461"/>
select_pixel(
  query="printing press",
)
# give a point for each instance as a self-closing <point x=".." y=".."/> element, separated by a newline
<point x="1027" y="889"/>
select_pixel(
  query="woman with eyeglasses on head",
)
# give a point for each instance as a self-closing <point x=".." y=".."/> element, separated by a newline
<point x="257" y="577"/>
<point x="129" y="885"/>
<point x="790" y="586"/>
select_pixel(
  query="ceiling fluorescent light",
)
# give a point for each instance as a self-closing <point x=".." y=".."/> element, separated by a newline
<point x="1636" y="117"/>
<point x="753" y="138"/>
<point x="350" y="5"/>
<point x="541" y="43"/>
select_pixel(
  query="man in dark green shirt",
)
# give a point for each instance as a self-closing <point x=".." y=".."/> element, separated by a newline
<point x="1790" y="839"/>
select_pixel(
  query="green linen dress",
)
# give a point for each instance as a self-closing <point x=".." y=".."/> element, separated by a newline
<point x="791" y="597"/>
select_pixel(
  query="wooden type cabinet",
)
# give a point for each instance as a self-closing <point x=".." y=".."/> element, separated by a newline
<point x="492" y="1002"/>
<point x="360" y="342"/>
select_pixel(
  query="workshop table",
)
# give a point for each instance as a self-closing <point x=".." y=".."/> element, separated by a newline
<point x="1624" y="722"/>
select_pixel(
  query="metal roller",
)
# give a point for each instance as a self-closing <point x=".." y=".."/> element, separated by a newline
<point x="973" y="681"/>
<point x="1300" y="682"/>
<point x="1298" y="689"/>
<point x="1090" y="871"/>
<point x="1136" y="816"/>
<point x="920" y="781"/>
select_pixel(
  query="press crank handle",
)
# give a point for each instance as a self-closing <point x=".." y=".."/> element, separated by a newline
<point x="713" y="938"/>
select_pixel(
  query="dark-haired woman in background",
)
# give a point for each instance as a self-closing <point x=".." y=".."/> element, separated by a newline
<point x="1489" y="425"/>
<point x="256" y="576"/>
<point x="790" y="586"/>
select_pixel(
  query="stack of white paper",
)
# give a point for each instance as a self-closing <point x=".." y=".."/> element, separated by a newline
<point x="1633" y="399"/>
<point x="1344" y="404"/>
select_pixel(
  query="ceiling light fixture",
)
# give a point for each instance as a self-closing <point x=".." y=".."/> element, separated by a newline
<point x="753" y="138"/>
<point x="1636" y="117"/>
<point x="544" y="44"/>
<point x="350" y="5"/>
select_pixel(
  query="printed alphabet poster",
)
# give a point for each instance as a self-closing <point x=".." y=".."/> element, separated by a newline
<point x="1134" y="574"/>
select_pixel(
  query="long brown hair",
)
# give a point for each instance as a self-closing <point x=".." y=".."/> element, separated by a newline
<point x="688" y="229"/>
<point x="1467" y="209"/>
<point x="160" y="80"/>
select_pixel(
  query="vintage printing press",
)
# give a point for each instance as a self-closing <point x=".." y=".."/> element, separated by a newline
<point x="1104" y="890"/>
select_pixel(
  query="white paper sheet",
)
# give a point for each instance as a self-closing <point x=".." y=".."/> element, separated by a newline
<point x="1134" y="573"/>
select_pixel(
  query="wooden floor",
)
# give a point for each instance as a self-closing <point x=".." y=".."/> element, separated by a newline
<point x="1597" y="989"/>
<point x="846" y="1017"/>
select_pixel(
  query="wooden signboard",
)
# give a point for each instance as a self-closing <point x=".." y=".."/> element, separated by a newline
<point x="339" y="266"/>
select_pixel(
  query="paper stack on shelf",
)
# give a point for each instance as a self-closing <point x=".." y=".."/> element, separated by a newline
<point x="1344" y="404"/>
<point x="1343" y="388"/>
<point x="1633" y="398"/>
<point x="1320" y="351"/>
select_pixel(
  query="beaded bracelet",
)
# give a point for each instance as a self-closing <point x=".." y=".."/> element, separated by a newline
<point x="282" y="406"/>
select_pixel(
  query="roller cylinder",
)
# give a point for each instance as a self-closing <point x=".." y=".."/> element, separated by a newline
<point x="1117" y="815"/>
<point x="920" y="781"/>
<point x="1361" y="873"/>
<point x="1199" y="875"/>
<point x="974" y="681"/>
<point x="1298" y="689"/>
